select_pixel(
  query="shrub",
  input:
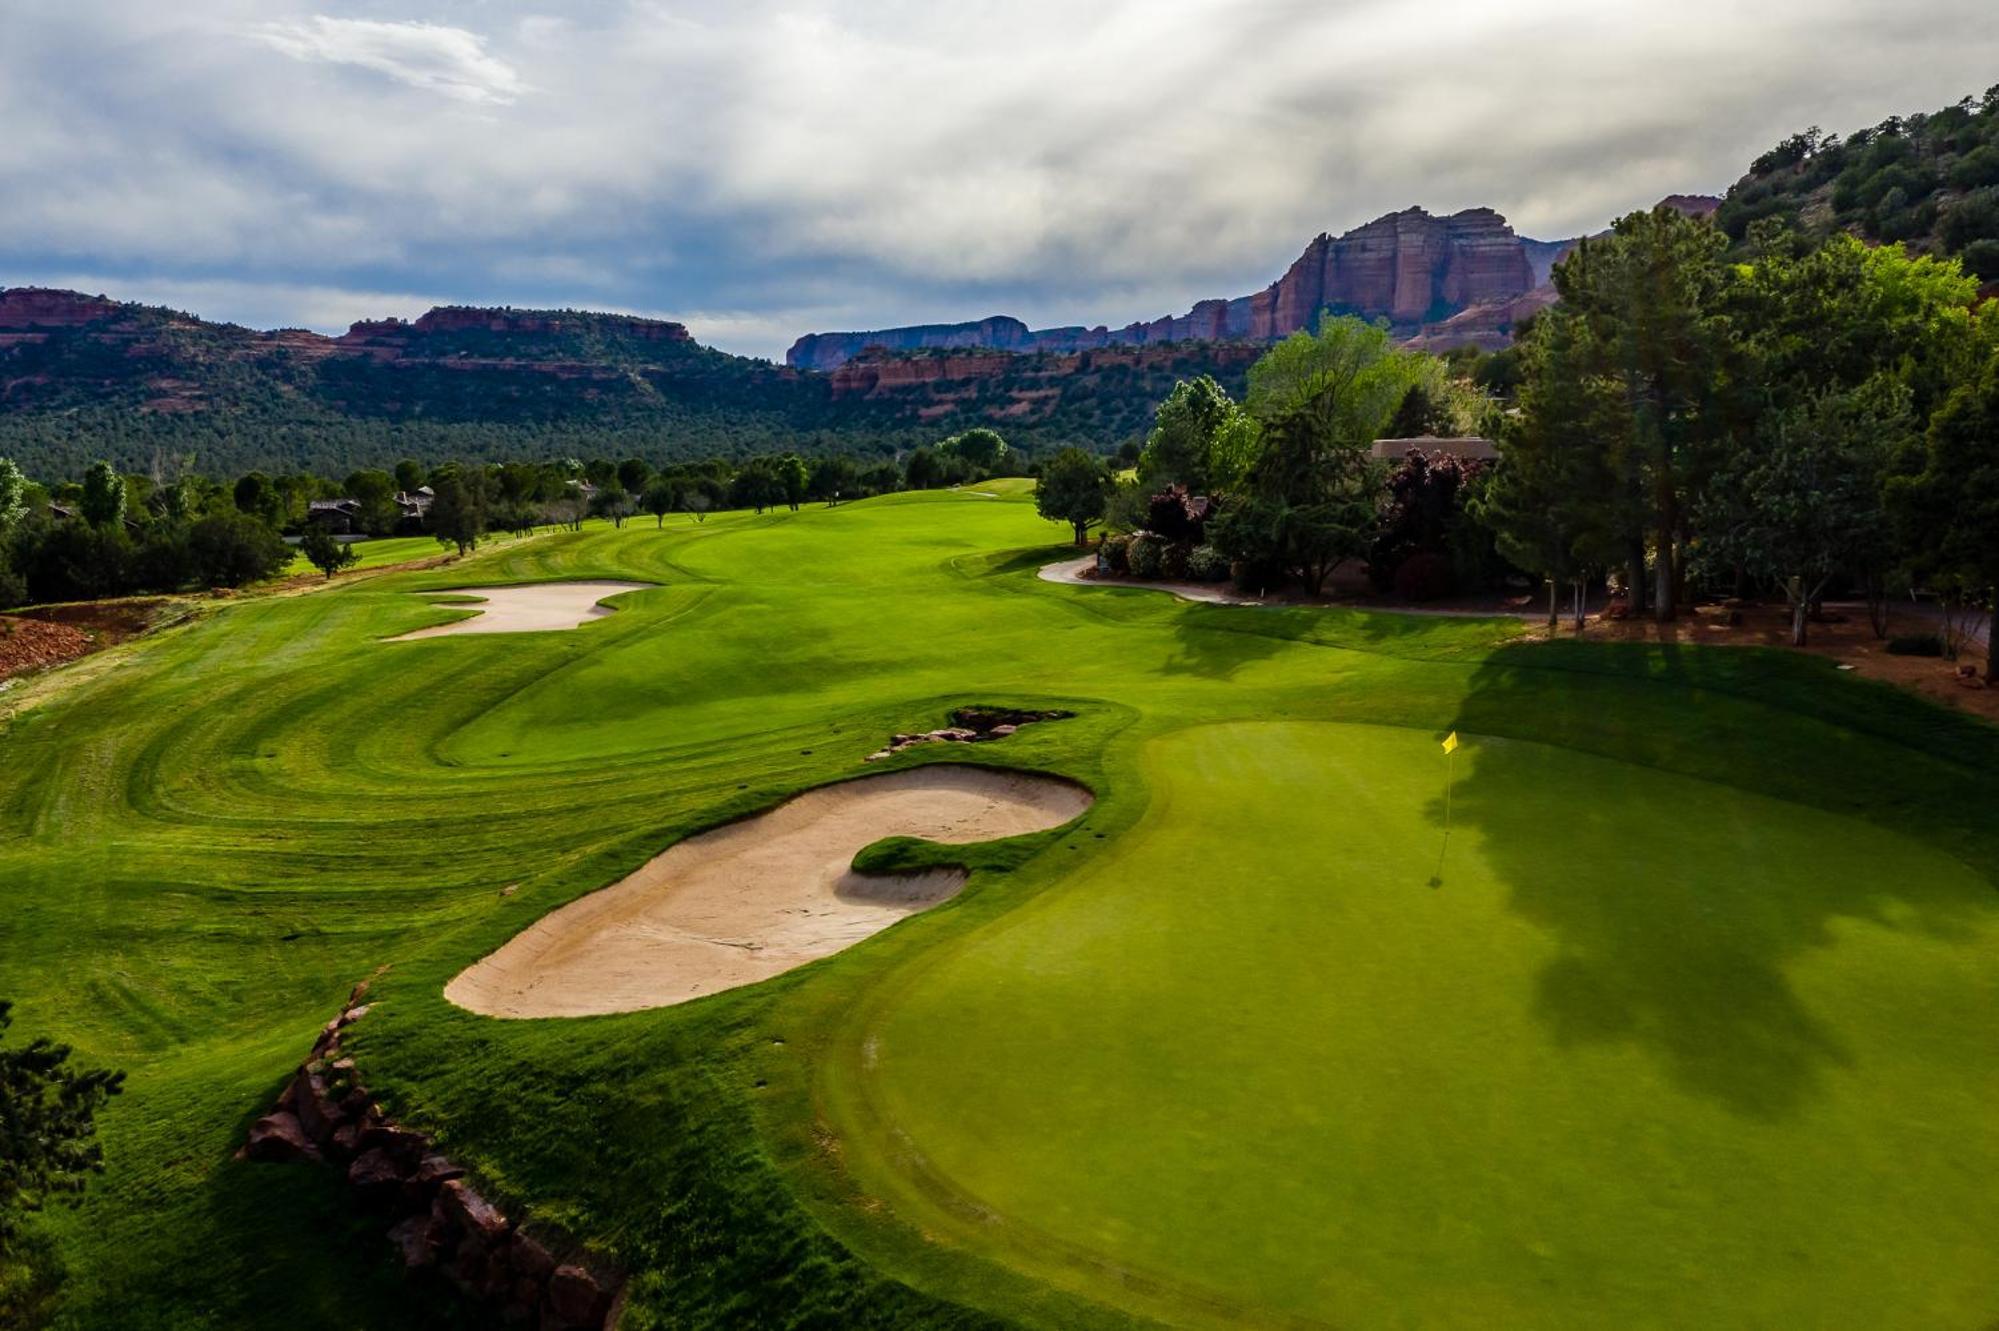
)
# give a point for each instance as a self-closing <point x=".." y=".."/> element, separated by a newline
<point x="1978" y="167"/>
<point x="163" y="562"/>
<point x="1207" y="564"/>
<point x="1916" y="644"/>
<point x="1972" y="218"/>
<point x="1114" y="551"/>
<point x="1981" y="257"/>
<point x="231" y="549"/>
<point x="1143" y="555"/>
<point x="1173" y="561"/>
<point x="1423" y="576"/>
<point x="1256" y="576"/>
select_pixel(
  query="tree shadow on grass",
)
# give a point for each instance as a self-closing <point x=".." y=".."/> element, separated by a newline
<point x="1215" y="642"/>
<point x="1677" y="910"/>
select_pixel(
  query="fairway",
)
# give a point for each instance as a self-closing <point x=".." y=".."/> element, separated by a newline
<point x="1694" y="1028"/>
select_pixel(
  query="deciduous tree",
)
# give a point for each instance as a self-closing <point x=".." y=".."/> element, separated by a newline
<point x="457" y="514"/>
<point x="326" y="552"/>
<point x="664" y="496"/>
<point x="1074" y="488"/>
<point x="1949" y="511"/>
<point x="1807" y="498"/>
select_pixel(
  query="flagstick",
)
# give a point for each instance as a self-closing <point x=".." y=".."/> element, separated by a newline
<point x="1450" y="773"/>
<point x="1450" y="779"/>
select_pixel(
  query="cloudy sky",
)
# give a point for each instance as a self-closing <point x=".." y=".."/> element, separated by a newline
<point x="762" y="170"/>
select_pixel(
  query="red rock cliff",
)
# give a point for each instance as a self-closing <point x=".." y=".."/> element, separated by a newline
<point x="1409" y="267"/>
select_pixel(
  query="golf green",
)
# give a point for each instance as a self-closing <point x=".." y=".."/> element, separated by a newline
<point x="1629" y="1050"/>
<point x="1694" y="1028"/>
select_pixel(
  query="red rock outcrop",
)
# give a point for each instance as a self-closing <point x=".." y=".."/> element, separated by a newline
<point x="1432" y="278"/>
<point x="1693" y="205"/>
<point x="1489" y="325"/>
<point x="24" y="308"/>
<point x="435" y="1219"/>
<point x="881" y="373"/>
<point x="31" y="315"/>
<point x="1408" y="267"/>
<point x="512" y="322"/>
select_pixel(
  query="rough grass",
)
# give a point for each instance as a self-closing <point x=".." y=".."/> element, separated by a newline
<point x="1768" y="941"/>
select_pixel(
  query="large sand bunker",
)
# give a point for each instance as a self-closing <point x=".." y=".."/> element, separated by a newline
<point x="529" y="609"/>
<point x="756" y="898"/>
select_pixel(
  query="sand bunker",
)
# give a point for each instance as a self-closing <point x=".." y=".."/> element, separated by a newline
<point x="529" y="609"/>
<point x="756" y="898"/>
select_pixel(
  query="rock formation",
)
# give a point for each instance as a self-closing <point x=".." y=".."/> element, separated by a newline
<point x="512" y="322"/>
<point x="435" y="1219"/>
<point x="969" y="725"/>
<point x="1409" y="267"/>
<point x="33" y="314"/>
<point x="1438" y="281"/>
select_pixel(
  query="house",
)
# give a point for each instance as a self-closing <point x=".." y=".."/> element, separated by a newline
<point x="342" y="517"/>
<point x="1466" y="448"/>
<point x="64" y="513"/>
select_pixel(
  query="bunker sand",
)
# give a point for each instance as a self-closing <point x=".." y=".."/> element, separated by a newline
<point x="758" y="897"/>
<point x="531" y="608"/>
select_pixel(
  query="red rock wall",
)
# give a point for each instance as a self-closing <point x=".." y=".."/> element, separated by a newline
<point x="42" y="307"/>
<point x="1402" y="267"/>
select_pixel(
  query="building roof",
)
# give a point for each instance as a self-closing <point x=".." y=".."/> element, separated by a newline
<point x="1461" y="446"/>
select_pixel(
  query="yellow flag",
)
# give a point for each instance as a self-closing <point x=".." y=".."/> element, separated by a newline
<point x="1451" y="742"/>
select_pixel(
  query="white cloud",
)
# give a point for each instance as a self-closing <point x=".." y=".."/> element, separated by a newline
<point x="431" y="56"/>
<point x="866" y="164"/>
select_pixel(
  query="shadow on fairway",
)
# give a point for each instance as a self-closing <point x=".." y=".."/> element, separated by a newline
<point x="1214" y="642"/>
<point x="1672" y="934"/>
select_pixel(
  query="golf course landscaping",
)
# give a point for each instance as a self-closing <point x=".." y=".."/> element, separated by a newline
<point x="1684" y="1017"/>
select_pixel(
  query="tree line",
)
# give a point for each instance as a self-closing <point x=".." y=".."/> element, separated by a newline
<point x="109" y="533"/>
<point x="1818" y="417"/>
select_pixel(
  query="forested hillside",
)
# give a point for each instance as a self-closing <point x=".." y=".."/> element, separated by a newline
<point x="1930" y="180"/>
<point x="83" y="378"/>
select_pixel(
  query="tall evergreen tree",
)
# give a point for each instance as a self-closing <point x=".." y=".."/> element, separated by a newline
<point x="1650" y="294"/>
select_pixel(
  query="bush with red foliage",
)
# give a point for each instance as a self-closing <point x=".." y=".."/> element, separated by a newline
<point x="1177" y="517"/>
<point x="1424" y="576"/>
<point x="1425" y="506"/>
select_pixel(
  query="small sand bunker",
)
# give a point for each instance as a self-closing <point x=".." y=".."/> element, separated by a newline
<point x="532" y="608"/>
<point x="756" y="898"/>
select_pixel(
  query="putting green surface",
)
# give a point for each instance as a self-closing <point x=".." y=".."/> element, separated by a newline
<point x="1695" y="1029"/>
<point x="1646" y="1052"/>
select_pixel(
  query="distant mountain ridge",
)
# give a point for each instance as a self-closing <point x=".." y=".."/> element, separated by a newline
<point x="1464" y="279"/>
<point x="1410" y="268"/>
<point x="87" y="376"/>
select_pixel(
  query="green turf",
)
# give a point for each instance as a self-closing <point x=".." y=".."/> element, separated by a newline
<point x="379" y="553"/>
<point x="1729" y="1068"/>
<point x="1690" y="1032"/>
